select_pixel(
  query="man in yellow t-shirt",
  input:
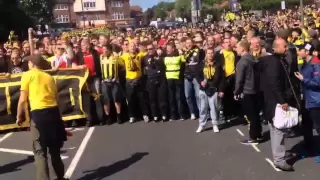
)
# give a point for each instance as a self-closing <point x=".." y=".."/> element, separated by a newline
<point x="134" y="85"/>
<point x="47" y="128"/>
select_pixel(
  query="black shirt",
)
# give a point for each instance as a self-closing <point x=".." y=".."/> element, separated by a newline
<point x="19" y="68"/>
<point x="4" y="65"/>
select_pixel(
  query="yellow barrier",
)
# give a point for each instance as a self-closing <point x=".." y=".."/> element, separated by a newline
<point x="69" y="85"/>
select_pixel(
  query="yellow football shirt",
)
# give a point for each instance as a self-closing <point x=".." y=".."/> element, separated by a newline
<point x="229" y="61"/>
<point x="41" y="89"/>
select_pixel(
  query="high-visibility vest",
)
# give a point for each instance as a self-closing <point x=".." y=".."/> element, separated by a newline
<point x="173" y="66"/>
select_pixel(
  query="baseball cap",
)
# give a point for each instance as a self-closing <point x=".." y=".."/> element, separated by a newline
<point x="306" y="46"/>
<point x="36" y="59"/>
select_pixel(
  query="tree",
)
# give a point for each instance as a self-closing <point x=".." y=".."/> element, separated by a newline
<point x="160" y="10"/>
<point x="148" y="14"/>
<point x="13" y="18"/>
<point x="38" y="10"/>
<point x="183" y="8"/>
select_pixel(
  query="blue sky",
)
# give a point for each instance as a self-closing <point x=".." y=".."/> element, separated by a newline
<point x="144" y="4"/>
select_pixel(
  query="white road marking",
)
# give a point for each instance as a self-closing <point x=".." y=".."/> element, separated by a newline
<point x="5" y="137"/>
<point x="255" y="147"/>
<point x="240" y="132"/>
<point x="79" y="153"/>
<point x="272" y="165"/>
<point x="65" y="149"/>
<point x="77" y="129"/>
<point x="17" y="151"/>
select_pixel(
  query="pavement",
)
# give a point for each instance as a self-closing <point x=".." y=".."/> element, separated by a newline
<point x="155" y="151"/>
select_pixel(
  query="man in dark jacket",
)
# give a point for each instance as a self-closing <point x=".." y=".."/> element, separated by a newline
<point x="156" y="83"/>
<point x="246" y="91"/>
<point x="228" y="58"/>
<point x="191" y="85"/>
<point x="277" y="90"/>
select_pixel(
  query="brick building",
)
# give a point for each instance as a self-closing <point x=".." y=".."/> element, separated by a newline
<point x="97" y="12"/>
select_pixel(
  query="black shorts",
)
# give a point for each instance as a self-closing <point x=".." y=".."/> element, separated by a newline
<point x="111" y="92"/>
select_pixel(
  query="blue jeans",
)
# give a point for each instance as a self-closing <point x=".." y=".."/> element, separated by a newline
<point x="207" y="102"/>
<point x="191" y="90"/>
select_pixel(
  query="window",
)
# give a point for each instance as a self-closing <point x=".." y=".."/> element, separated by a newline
<point x="98" y="17"/>
<point x="61" y="7"/>
<point x="62" y="19"/>
<point x="117" y="16"/>
<point x="89" y="4"/>
<point x="116" y="3"/>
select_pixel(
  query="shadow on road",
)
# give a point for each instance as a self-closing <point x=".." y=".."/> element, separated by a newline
<point x="105" y="171"/>
<point x="15" y="166"/>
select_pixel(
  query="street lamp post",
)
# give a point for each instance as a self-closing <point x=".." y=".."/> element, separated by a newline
<point x="301" y="12"/>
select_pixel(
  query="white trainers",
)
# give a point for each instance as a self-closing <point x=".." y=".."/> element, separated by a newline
<point x="164" y="118"/>
<point x="131" y="120"/>
<point x="199" y="130"/>
<point x="146" y="118"/>
<point x="155" y="119"/>
<point x="193" y="117"/>
<point x="215" y="129"/>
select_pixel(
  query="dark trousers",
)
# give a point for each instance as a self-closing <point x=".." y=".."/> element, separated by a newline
<point x="93" y="106"/>
<point x="251" y="110"/>
<point x="47" y="132"/>
<point x="176" y="109"/>
<point x="157" y="91"/>
<point x="310" y="120"/>
<point x="230" y="107"/>
<point x="135" y="96"/>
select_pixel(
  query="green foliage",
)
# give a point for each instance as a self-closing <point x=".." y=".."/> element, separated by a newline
<point x="13" y="18"/>
<point x="161" y="10"/>
<point x="269" y="4"/>
<point x="183" y="8"/>
<point x="211" y="2"/>
<point x="38" y="10"/>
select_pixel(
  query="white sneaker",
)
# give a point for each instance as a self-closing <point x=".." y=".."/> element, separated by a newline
<point x="146" y="118"/>
<point x="131" y="120"/>
<point x="164" y="118"/>
<point x="215" y="129"/>
<point x="193" y="117"/>
<point x="155" y="118"/>
<point x="199" y="130"/>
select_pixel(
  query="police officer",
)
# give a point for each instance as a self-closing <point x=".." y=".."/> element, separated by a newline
<point x="173" y="62"/>
<point x="110" y="87"/>
<point x="156" y="83"/>
<point x="47" y="129"/>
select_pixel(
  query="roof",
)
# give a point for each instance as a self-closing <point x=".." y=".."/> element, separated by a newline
<point x="136" y="8"/>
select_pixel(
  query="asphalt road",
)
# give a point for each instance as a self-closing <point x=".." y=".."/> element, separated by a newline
<point x="155" y="151"/>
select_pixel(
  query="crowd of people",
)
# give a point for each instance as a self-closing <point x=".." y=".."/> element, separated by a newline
<point x="244" y="67"/>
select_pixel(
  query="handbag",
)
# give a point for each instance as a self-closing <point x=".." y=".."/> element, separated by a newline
<point x="285" y="119"/>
